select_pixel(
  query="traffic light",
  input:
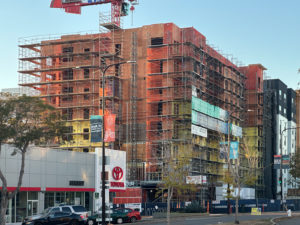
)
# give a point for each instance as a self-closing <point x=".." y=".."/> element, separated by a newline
<point x="280" y="180"/>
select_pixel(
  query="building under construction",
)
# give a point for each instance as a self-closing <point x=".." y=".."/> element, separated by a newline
<point x="253" y="127"/>
<point x="155" y="100"/>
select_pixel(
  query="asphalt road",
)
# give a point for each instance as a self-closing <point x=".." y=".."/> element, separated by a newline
<point x="208" y="220"/>
<point x="294" y="221"/>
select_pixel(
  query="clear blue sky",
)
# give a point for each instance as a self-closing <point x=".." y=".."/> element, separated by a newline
<point x="253" y="31"/>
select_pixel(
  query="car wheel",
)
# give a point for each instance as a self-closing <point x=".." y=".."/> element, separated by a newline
<point x="90" y="222"/>
<point x="119" y="220"/>
<point x="133" y="219"/>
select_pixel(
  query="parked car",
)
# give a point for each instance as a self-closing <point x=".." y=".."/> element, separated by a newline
<point x="76" y="209"/>
<point x="55" y="218"/>
<point x="121" y="215"/>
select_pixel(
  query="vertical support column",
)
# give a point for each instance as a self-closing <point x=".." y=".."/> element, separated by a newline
<point x="41" y="203"/>
<point x="133" y="110"/>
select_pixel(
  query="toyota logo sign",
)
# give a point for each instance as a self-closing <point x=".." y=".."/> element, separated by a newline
<point x="117" y="173"/>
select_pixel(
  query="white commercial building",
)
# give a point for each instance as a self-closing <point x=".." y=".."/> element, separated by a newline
<point x="54" y="176"/>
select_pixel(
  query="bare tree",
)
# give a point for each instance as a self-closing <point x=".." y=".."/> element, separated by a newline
<point x="251" y="156"/>
<point x="175" y="170"/>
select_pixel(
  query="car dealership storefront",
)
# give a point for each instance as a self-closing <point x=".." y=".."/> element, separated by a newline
<point x="51" y="177"/>
<point x="28" y="203"/>
<point x="54" y="177"/>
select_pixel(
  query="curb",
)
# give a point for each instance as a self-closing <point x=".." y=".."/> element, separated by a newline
<point x="273" y="222"/>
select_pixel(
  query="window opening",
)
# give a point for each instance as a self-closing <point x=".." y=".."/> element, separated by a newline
<point x="86" y="73"/>
<point x="86" y="135"/>
<point x="157" y="41"/>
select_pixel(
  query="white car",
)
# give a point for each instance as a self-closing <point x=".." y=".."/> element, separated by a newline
<point x="76" y="209"/>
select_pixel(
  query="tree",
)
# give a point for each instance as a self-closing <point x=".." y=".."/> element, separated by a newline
<point x="175" y="171"/>
<point x="295" y="167"/>
<point x="23" y="121"/>
<point x="250" y="164"/>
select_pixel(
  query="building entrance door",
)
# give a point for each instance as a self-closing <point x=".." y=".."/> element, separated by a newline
<point x="32" y="207"/>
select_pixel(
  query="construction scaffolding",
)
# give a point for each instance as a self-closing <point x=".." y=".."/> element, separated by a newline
<point x="65" y="71"/>
<point x="151" y="98"/>
<point x="181" y="64"/>
<point x="254" y="121"/>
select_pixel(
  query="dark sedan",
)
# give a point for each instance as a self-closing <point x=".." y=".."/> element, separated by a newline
<point x="55" y="218"/>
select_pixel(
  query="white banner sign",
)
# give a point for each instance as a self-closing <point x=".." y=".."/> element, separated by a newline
<point x="200" y="131"/>
<point x="196" y="179"/>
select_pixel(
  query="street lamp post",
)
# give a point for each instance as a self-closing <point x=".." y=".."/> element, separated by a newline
<point x="103" y="70"/>
<point x="229" y="165"/>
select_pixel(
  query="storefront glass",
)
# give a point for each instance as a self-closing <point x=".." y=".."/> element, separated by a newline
<point x="70" y="198"/>
<point x="21" y="206"/>
<point x="49" y="199"/>
<point x="27" y="203"/>
<point x="60" y="198"/>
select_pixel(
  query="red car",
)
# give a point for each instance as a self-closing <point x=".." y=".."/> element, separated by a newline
<point x="124" y="215"/>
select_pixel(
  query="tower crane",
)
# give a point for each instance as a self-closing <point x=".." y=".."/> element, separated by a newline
<point x="118" y="7"/>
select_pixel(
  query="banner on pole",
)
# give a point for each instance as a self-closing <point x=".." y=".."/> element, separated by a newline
<point x="277" y="162"/>
<point x="234" y="150"/>
<point x="109" y="125"/>
<point x="96" y="123"/>
<point x="285" y="161"/>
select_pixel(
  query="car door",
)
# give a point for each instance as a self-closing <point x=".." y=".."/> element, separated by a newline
<point x="126" y="214"/>
<point x="66" y="217"/>
<point x="52" y="218"/>
<point x="57" y="218"/>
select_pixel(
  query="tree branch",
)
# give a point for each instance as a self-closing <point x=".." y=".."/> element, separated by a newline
<point x="4" y="181"/>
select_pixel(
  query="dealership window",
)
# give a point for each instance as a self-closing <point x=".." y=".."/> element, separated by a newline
<point x="70" y="198"/>
<point x="60" y="198"/>
<point x="49" y="199"/>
